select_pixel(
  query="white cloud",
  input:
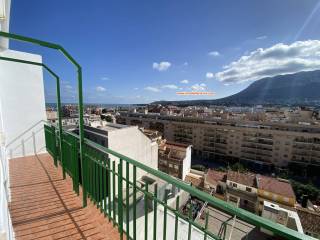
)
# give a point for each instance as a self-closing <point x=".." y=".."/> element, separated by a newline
<point x="214" y="54"/>
<point x="152" y="89"/>
<point x="104" y="78"/>
<point x="261" y="37"/>
<point x="68" y="87"/>
<point x="100" y="89"/>
<point x="185" y="81"/>
<point x="170" y="86"/>
<point x="209" y="75"/>
<point x="199" y="87"/>
<point x="269" y="62"/>
<point x="161" y="66"/>
<point x="136" y="88"/>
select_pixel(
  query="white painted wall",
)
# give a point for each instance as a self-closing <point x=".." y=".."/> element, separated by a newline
<point x="131" y="142"/>
<point x="22" y="105"/>
<point x="241" y="187"/>
<point x="4" y="21"/>
<point x="186" y="163"/>
<point x="6" y="230"/>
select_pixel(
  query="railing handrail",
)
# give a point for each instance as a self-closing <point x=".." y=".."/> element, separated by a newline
<point x="80" y="95"/>
<point x="24" y="132"/>
<point x="41" y="43"/>
<point x="241" y="213"/>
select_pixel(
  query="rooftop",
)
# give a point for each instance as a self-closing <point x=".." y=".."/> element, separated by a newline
<point x="275" y="185"/>
<point x="310" y="220"/>
<point x="213" y="177"/>
<point x="248" y="179"/>
<point x="176" y="151"/>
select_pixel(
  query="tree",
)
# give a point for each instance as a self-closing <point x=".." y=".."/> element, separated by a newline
<point x="198" y="167"/>
<point x="239" y="168"/>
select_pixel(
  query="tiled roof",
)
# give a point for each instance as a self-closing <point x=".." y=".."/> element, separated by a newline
<point x="197" y="181"/>
<point x="172" y="150"/>
<point x="213" y="177"/>
<point x="310" y="220"/>
<point x="275" y="185"/>
<point x="248" y="179"/>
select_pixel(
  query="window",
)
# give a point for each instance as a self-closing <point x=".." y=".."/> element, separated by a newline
<point x="176" y="167"/>
<point x="248" y="189"/>
<point x="234" y="185"/>
<point x="170" y="165"/>
<point x="163" y="162"/>
<point x="233" y="199"/>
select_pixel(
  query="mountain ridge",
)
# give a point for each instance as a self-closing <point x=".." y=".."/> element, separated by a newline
<point x="289" y="89"/>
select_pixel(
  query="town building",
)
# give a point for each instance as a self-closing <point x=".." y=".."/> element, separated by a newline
<point x="175" y="159"/>
<point x="127" y="140"/>
<point x="283" y="216"/>
<point x="242" y="190"/>
<point x="215" y="182"/>
<point x="249" y="191"/>
<point x="276" y="190"/>
<point x="260" y="143"/>
<point x="310" y="221"/>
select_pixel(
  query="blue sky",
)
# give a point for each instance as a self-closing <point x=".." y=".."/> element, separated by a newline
<point x="141" y="51"/>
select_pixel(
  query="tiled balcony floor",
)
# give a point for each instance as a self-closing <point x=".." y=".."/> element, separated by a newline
<point x="44" y="206"/>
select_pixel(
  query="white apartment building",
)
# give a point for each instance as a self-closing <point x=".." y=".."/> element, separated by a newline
<point x="258" y="142"/>
<point x="282" y="216"/>
<point x="127" y="140"/>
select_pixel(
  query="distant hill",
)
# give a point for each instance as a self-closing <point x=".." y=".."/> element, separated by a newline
<point x="293" y="89"/>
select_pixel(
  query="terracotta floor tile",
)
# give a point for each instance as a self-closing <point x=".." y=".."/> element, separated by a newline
<point x="44" y="205"/>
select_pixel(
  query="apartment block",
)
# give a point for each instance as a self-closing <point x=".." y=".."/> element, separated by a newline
<point x="127" y="140"/>
<point x="262" y="143"/>
<point x="175" y="159"/>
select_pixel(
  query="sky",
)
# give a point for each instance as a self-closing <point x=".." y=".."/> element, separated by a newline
<point x="143" y="51"/>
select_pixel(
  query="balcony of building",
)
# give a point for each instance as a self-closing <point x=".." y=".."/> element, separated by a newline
<point x="44" y="205"/>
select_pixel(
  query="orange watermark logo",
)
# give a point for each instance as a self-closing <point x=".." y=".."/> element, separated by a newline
<point x="195" y="93"/>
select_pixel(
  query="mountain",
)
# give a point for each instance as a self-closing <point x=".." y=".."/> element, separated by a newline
<point x="293" y="89"/>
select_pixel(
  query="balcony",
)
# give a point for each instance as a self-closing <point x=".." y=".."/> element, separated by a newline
<point x="86" y="191"/>
<point x="45" y="206"/>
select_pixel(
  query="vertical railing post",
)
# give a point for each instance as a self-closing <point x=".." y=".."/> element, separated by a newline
<point x="81" y="134"/>
<point x="165" y="215"/>
<point x="176" y="220"/>
<point x="120" y="200"/>
<point x="134" y="214"/>
<point x="206" y="226"/>
<point x="146" y="213"/>
<point x="189" y="220"/>
<point x="155" y="212"/>
<point x="60" y="125"/>
<point x="127" y="201"/>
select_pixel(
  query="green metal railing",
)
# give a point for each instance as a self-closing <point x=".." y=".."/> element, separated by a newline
<point x="80" y="95"/>
<point x="112" y="185"/>
<point x="111" y="181"/>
